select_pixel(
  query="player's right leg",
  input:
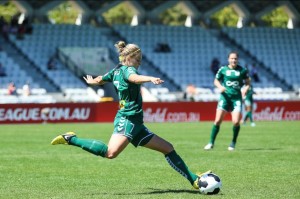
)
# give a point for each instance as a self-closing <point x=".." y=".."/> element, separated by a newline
<point x="220" y="114"/>
<point x="117" y="143"/>
<point x="63" y="139"/>
<point x="95" y="147"/>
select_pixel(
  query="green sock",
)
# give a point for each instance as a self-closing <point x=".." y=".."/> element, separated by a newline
<point x="178" y="164"/>
<point x="214" y="132"/>
<point x="246" y="117"/>
<point x="250" y="116"/>
<point x="93" y="146"/>
<point x="236" y="130"/>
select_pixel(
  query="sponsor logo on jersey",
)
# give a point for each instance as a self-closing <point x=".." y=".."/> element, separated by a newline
<point x="233" y="84"/>
<point x="231" y="72"/>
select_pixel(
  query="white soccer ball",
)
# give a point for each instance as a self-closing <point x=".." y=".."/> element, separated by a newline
<point x="209" y="184"/>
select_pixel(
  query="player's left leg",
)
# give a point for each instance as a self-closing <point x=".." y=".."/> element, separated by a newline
<point x="174" y="160"/>
<point x="236" y="118"/>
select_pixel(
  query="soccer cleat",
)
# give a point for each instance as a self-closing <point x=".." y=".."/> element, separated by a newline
<point x="253" y="124"/>
<point x="231" y="146"/>
<point x="63" y="139"/>
<point x="195" y="184"/>
<point x="209" y="146"/>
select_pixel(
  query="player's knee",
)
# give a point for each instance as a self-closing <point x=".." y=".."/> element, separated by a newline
<point x="166" y="148"/>
<point x="236" y="123"/>
<point x="170" y="146"/>
<point x="218" y="122"/>
<point x="112" y="154"/>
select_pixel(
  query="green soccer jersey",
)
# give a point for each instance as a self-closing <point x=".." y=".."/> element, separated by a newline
<point x="129" y="93"/>
<point x="232" y="79"/>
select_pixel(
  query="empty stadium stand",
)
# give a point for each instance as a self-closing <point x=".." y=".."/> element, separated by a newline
<point x="277" y="48"/>
<point x="191" y="51"/>
<point x="14" y="73"/>
<point x="42" y="44"/>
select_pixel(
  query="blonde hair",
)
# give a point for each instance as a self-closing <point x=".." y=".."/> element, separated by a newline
<point x="129" y="50"/>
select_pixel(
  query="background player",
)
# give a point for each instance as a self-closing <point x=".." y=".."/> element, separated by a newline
<point x="229" y="80"/>
<point x="248" y="101"/>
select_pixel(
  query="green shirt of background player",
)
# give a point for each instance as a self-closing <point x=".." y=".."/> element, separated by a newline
<point x="128" y="124"/>
<point x="229" y="80"/>
<point x="248" y="101"/>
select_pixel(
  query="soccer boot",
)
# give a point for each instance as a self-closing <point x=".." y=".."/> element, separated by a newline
<point x="231" y="146"/>
<point x="209" y="146"/>
<point x="63" y="139"/>
<point x="195" y="184"/>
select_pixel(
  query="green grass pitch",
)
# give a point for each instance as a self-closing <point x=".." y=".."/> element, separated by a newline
<point x="266" y="163"/>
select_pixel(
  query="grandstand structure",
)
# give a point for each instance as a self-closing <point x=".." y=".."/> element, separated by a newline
<point x="274" y="50"/>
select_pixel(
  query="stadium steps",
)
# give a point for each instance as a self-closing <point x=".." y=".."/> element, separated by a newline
<point x="148" y="68"/>
<point x="27" y="65"/>
<point x="250" y="58"/>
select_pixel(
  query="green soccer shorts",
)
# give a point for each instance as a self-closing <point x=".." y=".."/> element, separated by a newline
<point x="248" y="102"/>
<point x="229" y="104"/>
<point x="135" y="131"/>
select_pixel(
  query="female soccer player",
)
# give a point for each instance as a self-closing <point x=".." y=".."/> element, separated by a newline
<point x="248" y="101"/>
<point x="229" y="80"/>
<point x="128" y="124"/>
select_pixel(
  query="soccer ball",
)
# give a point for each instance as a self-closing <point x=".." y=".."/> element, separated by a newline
<point x="209" y="184"/>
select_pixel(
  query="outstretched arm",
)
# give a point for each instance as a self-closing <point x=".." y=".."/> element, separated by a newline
<point x="139" y="79"/>
<point x="94" y="81"/>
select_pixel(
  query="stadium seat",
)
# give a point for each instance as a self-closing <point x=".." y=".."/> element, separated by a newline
<point x="270" y="45"/>
<point x="190" y="47"/>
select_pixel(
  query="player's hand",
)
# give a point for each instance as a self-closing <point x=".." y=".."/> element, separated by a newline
<point x="222" y="89"/>
<point x="89" y="79"/>
<point x="156" y="80"/>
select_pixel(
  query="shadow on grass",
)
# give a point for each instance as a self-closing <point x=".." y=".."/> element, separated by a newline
<point x="157" y="191"/>
<point x="162" y="191"/>
<point x="261" y="149"/>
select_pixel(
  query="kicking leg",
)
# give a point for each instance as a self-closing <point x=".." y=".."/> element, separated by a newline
<point x="174" y="160"/>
